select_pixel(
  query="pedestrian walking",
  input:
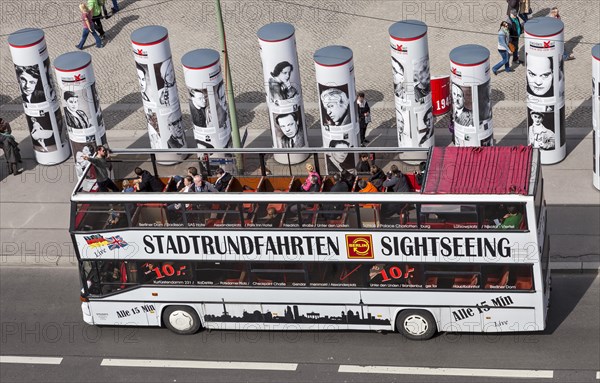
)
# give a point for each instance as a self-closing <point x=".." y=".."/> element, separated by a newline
<point x="503" y="48"/>
<point x="364" y="116"/>
<point x="102" y="170"/>
<point x="104" y="11"/>
<point x="96" y="9"/>
<point x="511" y="4"/>
<point x="88" y="27"/>
<point x="524" y="10"/>
<point x="515" y="29"/>
<point x="9" y="145"/>
<point x="115" y="7"/>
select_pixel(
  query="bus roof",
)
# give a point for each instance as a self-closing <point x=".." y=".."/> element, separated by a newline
<point x="480" y="170"/>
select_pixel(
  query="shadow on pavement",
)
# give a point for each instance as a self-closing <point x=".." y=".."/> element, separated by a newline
<point x="114" y="30"/>
<point x="373" y="96"/>
<point x="572" y="43"/>
<point x="574" y="141"/>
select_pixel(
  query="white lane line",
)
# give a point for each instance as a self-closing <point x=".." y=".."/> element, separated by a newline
<point x="199" y="364"/>
<point x="29" y="359"/>
<point x="598" y="375"/>
<point x="495" y="373"/>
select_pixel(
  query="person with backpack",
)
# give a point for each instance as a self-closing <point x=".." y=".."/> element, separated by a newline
<point x="96" y="8"/>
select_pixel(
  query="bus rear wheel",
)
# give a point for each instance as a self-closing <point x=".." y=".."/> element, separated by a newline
<point x="416" y="324"/>
<point x="181" y="320"/>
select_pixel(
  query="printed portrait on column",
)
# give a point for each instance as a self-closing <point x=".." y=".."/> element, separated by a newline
<point x="540" y="76"/>
<point x="462" y="105"/>
<point x="335" y="105"/>
<point x="290" y="132"/>
<point x="280" y="85"/>
<point x="32" y="88"/>
<point x="541" y="128"/>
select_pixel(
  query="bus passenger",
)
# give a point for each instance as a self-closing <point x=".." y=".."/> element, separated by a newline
<point x="127" y="188"/>
<point x="146" y="182"/>
<point x="377" y="176"/>
<point x="339" y="186"/>
<point x="307" y="182"/>
<point x="366" y="187"/>
<point x="363" y="166"/>
<point x="512" y="219"/>
<point x="223" y="181"/>
<point x="201" y="186"/>
<point x="396" y="181"/>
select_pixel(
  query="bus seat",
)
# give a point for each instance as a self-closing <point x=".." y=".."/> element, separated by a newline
<point x="523" y="282"/>
<point x="467" y="280"/>
<point x="411" y="179"/>
<point x="431" y="282"/>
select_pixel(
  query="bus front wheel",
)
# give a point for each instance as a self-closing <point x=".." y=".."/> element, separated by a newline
<point x="416" y="324"/>
<point x="181" y="320"/>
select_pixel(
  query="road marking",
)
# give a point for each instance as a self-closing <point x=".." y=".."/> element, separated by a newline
<point x="548" y="374"/>
<point x="29" y="359"/>
<point x="199" y="364"/>
<point x="598" y="375"/>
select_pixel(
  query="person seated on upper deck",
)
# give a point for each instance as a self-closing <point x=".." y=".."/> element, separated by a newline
<point x="272" y="219"/>
<point x="311" y="172"/>
<point x="223" y="179"/>
<point x="201" y="185"/>
<point x="396" y="181"/>
<point x="339" y="186"/>
<point x="512" y="219"/>
<point x="363" y="165"/>
<point x="366" y="187"/>
<point x="377" y="176"/>
<point x="146" y="182"/>
<point x="348" y="178"/>
<point x="313" y="184"/>
<point x="178" y="180"/>
<point x="127" y="188"/>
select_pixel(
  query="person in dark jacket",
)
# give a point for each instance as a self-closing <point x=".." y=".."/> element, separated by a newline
<point x="147" y="182"/>
<point x="223" y="179"/>
<point x="363" y="166"/>
<point x="512" y="4"/>
<point x="9" y="145"/>
<point x="515" y="30"/>
<point x="339" y="186"/>
<point x="364" y="116"/>
<point x="377" y="176"/>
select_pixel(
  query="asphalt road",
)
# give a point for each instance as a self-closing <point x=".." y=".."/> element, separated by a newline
<point x="40" y="317"/>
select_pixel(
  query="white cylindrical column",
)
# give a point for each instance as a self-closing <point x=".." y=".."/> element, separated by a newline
<point x="596" y="114"/>
<point x="471" y="96"/>
<point x="412" y="86"/>
<point x="32" y="64"/>
<point x="284" y="91"/>
<point x="544" y="48"/>
<point x="208" y="104"/>
<point x="81" y="105"/>
<point x="334" y="71"/>
<point x="156" y="74"/>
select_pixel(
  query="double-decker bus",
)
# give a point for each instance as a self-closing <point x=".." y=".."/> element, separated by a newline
<point x="464" y="251"/>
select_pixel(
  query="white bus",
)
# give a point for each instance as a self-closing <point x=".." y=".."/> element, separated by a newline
<point x="464" y="251"/>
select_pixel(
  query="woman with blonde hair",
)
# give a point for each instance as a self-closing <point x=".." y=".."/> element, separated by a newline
<point x="311" y="172"/>
<point x="86" y="20"/>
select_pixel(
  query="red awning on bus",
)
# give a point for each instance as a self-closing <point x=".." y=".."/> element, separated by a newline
<point x="480" y="170"/>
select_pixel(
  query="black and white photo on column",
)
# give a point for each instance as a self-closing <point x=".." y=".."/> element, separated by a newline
<point x="221" y="107"/>
<point x="40" y="128"/>
<point x="335" y="105"/>
<point x="81" y="149"/>
<point x="540" y="76"/>
<point x="153" y="130"/>
<point x="425" y="125"/>
<point x="462" y="105"/>
<point x="176" y="133"/>
<point x="289" y="130"/>
<point x="49" y="81"/>
<point x="30" y="82"/>
<point x="403" y="126"/>
<point x="561" y="118"/>
<point x="541" y="128"/>
<point x="338" y="161"/>
<point x="487" y="141"/>
<point x="165" y="83"/>
<point x="145" y="82"/>
<point x="399" y="80"/>
<point x="199" y="107"/>
<point x="97" y="107"/>
<point x="281" y="85"/>
<point x="62" y="132"/>
<point x="484" y="92"/>
<point x="421" y="79"/>
<point x="76" y="111"/>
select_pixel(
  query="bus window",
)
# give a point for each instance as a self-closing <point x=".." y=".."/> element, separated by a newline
<point x="166" y="272"/>
<point x="508" y="277"/>
<point x="395" y="275"/>
<point x="116" y="275"/>
<point x="459" y="276"/>
<point x="448" y="216"/>
<point x="278" y="274"/>
<point x="503" y="216"/>
<point x="221" y="273"/>
<point x="231" y="217"/>
<point x="150" y="215"/>
<point x="265" y="215"/>
<point x="336" y="274"/>
<point x="401" y="216"/>
<point x="203" y="215"/>
<point x="100" y="216"/>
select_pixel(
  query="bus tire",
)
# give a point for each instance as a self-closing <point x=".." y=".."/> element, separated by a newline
<point x="416" y="324"/>
<point x="181" y="320"/>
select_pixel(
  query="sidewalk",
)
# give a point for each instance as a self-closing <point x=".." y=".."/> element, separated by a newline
<point x="34" y="207"/>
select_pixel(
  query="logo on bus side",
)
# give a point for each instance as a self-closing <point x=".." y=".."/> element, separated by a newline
<point x="359" y="246"/>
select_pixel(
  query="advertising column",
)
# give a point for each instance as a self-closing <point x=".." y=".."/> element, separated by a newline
<point x="156" y="74"/>
<point x="42" y="111"/>
<point x="334" y="70"/>
<point x="284" y="92"/>
<point x="208" y="102"/>
<point x="544" y="48"/>
<point x="596" y="114"/>
<point x="412" y="86"/>
<point x="471" y="96"/>
<point x="81" y="105"/>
